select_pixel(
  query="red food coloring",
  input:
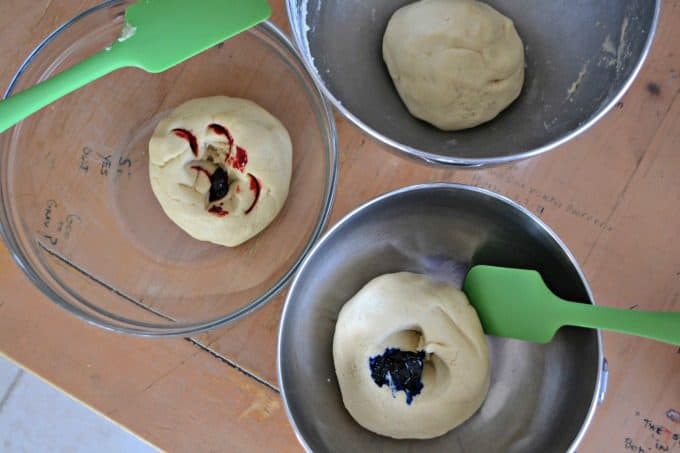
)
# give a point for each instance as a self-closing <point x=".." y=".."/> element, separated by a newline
<point x="255" y="187"/>
<point x="221" y="130"/>
<point x="240" y="160"/>
<point x="200" y="169"/>
<point x="188" y="136"/>
<point x="218" y="211"/>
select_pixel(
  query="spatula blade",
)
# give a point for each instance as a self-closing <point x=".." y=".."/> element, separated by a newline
<point x="513" y="303"/>
<point x="162" y="33"/>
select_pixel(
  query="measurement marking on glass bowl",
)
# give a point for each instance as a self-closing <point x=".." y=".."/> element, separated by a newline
<point x="57" y="227"/>
<point x="84" y="165"/>
<point x="106" y="162"/>
<point x="51" y="204"/>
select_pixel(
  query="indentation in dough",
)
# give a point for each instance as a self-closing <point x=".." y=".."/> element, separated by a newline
<point x="436" y="373"/>
<point x="167" y="158"/>
<point x="207" y="134"/>
<point x="232" y="160"/>
<point x="455" y="327"/>
<point x="410" y="339"/>
<point x="411" y="312"/>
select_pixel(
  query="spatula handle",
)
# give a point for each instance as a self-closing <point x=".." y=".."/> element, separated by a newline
<point x="661" y="326"/>
<point x="21" y="105"/>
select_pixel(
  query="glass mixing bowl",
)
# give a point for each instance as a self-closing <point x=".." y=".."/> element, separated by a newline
<point x="77" y="210"/>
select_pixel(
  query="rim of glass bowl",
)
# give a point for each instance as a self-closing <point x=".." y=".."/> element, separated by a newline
<point x="97" y="316"/>
<point x="298" y="27"/>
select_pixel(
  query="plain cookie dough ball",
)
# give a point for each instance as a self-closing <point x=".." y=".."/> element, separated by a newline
<point x="220" y="168"/>
<point x="455" y="63"/>
<point x="411" y="312"/>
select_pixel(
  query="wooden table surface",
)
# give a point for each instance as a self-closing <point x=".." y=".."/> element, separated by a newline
<point x="613" y="195"/>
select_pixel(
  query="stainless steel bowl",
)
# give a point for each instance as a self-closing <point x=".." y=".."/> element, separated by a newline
<point x="580" y="59"/>
<point x="542" y="397"/>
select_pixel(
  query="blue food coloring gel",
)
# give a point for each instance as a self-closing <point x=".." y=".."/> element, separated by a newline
<point x="399" y="370"/>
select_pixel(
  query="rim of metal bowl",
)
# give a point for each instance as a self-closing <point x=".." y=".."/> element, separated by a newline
<point x="19" y="257"/>
<point x="463" y="162"/>
<point x="425" y="187"/>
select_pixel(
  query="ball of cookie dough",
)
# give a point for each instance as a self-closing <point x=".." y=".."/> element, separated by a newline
<point x="220" y="168"/>
<point x="410" y="356"/>
<point x="455" y="63"/>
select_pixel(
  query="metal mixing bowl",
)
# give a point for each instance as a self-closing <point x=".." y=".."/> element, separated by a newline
<point x="580" y="59"/>
<point x="542" y="397"/>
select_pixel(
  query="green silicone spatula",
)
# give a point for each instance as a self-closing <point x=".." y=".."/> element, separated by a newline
<point x="158" y="34"/>
<point x="516" y="303"/>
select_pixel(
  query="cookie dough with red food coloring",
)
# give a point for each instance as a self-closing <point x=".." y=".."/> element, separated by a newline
<point x="221" y="167"/>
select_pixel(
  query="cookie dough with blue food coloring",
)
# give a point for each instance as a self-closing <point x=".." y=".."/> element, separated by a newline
<point x="410" y="356"/>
